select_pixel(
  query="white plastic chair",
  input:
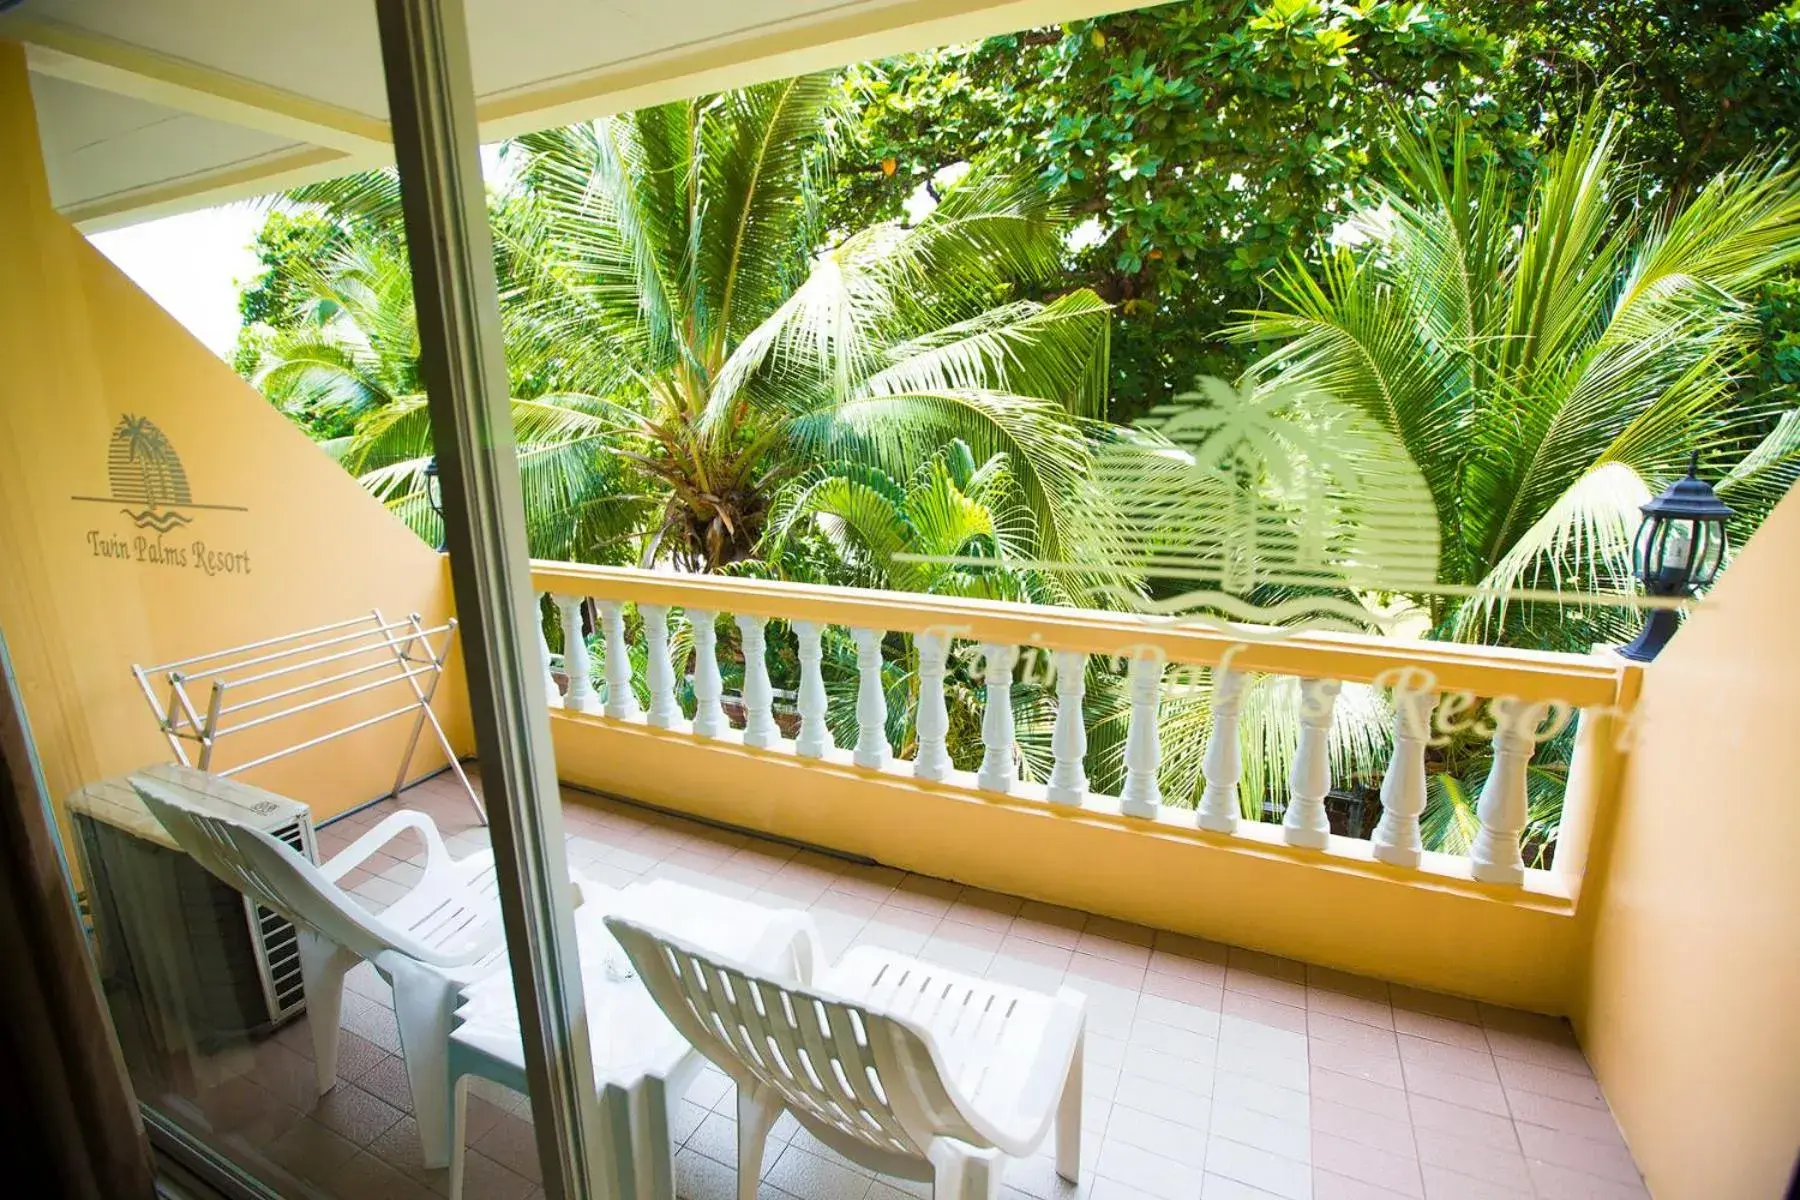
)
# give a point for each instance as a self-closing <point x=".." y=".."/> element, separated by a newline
<point x="903" y="1066"/>
<point x="642" y="1064"/>
<point x="441" y="935"/>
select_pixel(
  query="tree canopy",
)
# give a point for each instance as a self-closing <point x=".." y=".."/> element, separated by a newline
<point x="1209" y="143"/>
<point x="822" y="326"/>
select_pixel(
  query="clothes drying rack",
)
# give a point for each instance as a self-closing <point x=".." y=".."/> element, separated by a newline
<point x="363" y="654"/>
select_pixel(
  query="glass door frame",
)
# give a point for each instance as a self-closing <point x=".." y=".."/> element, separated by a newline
<point x="426" y="67"/>
<point x="431" y="102"/>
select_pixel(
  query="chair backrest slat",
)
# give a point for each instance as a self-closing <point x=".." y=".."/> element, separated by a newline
<point x="269" y="871"/>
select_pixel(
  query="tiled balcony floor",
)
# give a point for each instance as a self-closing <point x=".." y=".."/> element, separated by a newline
<point x="1213" y="1073"/>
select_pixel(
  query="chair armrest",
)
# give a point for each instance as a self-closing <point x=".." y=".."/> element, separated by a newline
<point x="790" y="948"/>
<point x="1020" y="1131"/>
<point x="359" y="851"/>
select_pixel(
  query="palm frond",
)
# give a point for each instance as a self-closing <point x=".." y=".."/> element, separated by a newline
<point x="1762" y="478"/>
<point x="1050" y="457"/>
<point x="1449" y="823"/>
<point x="1055" y="350"/>
<point x="1582" y="545"/>
<point x="757" y="144"/>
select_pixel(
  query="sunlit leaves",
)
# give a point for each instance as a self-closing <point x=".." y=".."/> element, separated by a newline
<point x="1544" y="376"/>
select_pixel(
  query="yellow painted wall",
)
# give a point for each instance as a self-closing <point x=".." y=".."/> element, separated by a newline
<point x="1692" y="1014"/>
<point x="80" y="346"/>
<point x="1489" y="943"/>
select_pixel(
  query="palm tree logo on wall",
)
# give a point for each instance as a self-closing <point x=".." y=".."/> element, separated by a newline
<point x="1261" y="510"/>
<point x="1271" y="505"/>
<point x="147" y="479"/>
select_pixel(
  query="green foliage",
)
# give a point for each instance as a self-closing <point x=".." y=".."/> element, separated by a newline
<point x="1205" y="143"/>
<point x="800" y="329"/>
<point x="1702" y="83"/>
<point x="681" y="343"/>
<point x="289" y="244"/>
<point x="1543" y="378"/>
<point x="950" y="507"/>
<point x="746" y="357"/>
<point x="1546" y="378"/>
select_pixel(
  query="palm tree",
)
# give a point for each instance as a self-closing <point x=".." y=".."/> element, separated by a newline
<point x="850" y="524"/>
<point x="1545" y="374"/>
<point x="350" y="351"/>
<point x="675" y="262"/>
<point x="910" y="536"/>
<point x="663" y="292"/>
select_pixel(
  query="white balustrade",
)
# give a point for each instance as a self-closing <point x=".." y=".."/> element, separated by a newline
<point x="551" y="692"/>
<point x="1142" y="797"/>
<point x="658" y="673"/>
<point x="1068" y="741"/>
<point x="621" y="698"/>
<point x="581" y="696"/>
<point x="815" y="734"/>
<point x="1306" y="823"/>
<point x="933" y="721"/>
<point x="759" y="698"/>
<point x="709" y="713"/>
<point x="1496" y="856"/>
<point x="1222" y="766"/>
<point x="997" y="771"/>
<point x="1396" y="838"/>
<point x="872" y="749"/>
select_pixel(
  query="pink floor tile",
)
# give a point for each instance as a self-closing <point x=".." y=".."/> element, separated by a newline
<point x="1211" y="1072"/>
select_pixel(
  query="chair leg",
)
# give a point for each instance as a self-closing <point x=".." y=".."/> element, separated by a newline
<point x="323" y="965"/>
<point x="962" y="1173"/>
<point x="757" y="1113"/>
<point x="1068" y="1119"/>
<point x="423" y="1004"/>
<point x="459" y="1125"/>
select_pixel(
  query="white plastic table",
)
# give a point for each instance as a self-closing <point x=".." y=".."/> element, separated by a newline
<point x="642" y="1066"/>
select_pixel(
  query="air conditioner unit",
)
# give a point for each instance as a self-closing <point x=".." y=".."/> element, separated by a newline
<point x="206" y="965"/>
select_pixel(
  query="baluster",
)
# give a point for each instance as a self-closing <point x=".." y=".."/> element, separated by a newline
<point x="815" y="735"/>
<point x="1396" y="837"/>
<point x="1068" y="742"/>
<point x="933" y="758"/>
<point x="551" y="691"/>
<point x="581" y="695"/>
<point x="1141" y="796"/>
<point x="1502" y="809"/>
<point x="621" y="698"/>
<point x="664" y="712"/>
<point x="1306" y="823"/>
<point x="1222" y="765"/>
<point x="759" y="698"/>
<point x="872" y="749"/>
<point x="709" y="714"/>
<point x="997" y="772"/>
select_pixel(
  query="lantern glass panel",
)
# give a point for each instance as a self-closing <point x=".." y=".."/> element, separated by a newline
<point x="1656" y="569"/>
<point x="1678" y="547"/>
<point x="1640" y="549"/>
<point x="1711" y="553"/>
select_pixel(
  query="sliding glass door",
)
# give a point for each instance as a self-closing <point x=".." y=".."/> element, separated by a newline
<point x="297" y="760"/>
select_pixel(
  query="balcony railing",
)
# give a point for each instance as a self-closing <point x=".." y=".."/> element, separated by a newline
<point x="1517" y="699"/>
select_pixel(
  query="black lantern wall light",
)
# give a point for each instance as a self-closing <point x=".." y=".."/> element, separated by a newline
<point x="434" y="496"/>
<point x="1679" y="549"/>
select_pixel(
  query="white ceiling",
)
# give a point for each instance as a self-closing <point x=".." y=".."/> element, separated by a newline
<point x="96" y="143"/>
<point x="148" y="107"/>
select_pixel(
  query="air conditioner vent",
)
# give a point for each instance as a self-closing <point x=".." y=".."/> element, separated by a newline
<point x="246" y="956"/>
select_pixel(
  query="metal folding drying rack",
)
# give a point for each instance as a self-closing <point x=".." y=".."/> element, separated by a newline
<point x="396" y="652"/>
